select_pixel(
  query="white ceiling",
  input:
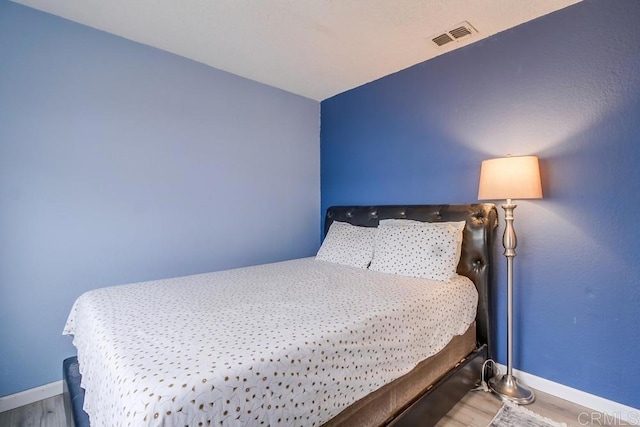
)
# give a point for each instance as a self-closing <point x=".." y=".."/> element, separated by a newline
<point x="314" y="48"/>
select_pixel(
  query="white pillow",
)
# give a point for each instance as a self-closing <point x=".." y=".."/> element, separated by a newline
<point x="348" y="244"/>
<point x="458" y="226"/>
<point x="426" y="250"/>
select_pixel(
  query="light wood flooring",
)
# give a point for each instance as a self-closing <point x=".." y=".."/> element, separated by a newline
<point x="43" y="413"/>
<point x="476" y="409"/>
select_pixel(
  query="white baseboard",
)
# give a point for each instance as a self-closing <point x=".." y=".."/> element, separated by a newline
<point x="26" y="397"/>
<point x="612" y="410"/>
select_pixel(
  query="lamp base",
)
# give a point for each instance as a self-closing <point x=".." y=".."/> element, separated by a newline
<point x="507" y="387"/>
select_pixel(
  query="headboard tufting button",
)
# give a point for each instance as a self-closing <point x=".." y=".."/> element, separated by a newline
<point x="373" y="213"/>
<point x="349" y="214"/>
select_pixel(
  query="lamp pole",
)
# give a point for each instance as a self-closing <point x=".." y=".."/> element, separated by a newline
<point x="507" y="385"/>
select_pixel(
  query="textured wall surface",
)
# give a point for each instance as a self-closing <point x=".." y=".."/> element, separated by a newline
<point x="565" y="87"/>
<point x="122" y="163"/>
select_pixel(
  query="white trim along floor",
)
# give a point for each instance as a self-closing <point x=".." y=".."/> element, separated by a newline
<point x="32" y="395"/>
<point x="610" y="408"/>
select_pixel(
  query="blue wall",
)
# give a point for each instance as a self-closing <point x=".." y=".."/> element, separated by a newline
<point x="122" y="163"/>
<point x="565" y="87"/>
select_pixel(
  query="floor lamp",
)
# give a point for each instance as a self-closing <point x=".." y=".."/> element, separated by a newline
<point x="510" y="178"/>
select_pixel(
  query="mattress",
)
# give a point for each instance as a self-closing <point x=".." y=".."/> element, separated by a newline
<point x="290" y="343"/>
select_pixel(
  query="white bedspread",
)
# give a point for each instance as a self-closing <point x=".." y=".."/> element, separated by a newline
<point x="290" y="343"/>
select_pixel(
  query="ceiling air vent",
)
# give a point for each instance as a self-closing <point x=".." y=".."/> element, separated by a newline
<point x="442" y="39"/>
<point x="458" y="32"/>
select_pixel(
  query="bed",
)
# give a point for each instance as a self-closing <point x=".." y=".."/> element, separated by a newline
<point x="297" y="365"/>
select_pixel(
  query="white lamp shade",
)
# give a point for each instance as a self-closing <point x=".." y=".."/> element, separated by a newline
<point x="510" y="178"/>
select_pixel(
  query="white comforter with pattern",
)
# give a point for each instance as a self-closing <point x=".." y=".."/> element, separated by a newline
<point x="290" y="343"/>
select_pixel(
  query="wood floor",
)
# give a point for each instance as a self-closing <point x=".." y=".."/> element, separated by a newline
<point x="476" y="409"/>
<point x="43" y="413"/>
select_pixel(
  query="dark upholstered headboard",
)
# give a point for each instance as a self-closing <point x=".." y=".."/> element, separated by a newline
<point x="475" y="259"/>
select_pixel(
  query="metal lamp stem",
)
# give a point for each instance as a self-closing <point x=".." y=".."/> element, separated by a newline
<point x="507" y="385"/>
<point x="509" y="241"/>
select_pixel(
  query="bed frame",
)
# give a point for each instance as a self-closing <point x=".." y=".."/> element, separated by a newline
<point x="475" y="263"/>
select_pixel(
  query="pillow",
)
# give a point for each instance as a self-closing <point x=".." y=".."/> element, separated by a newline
<point x="426" y="250"/>
<point x="348" y="244"/>
<point x="456" y="225"/>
